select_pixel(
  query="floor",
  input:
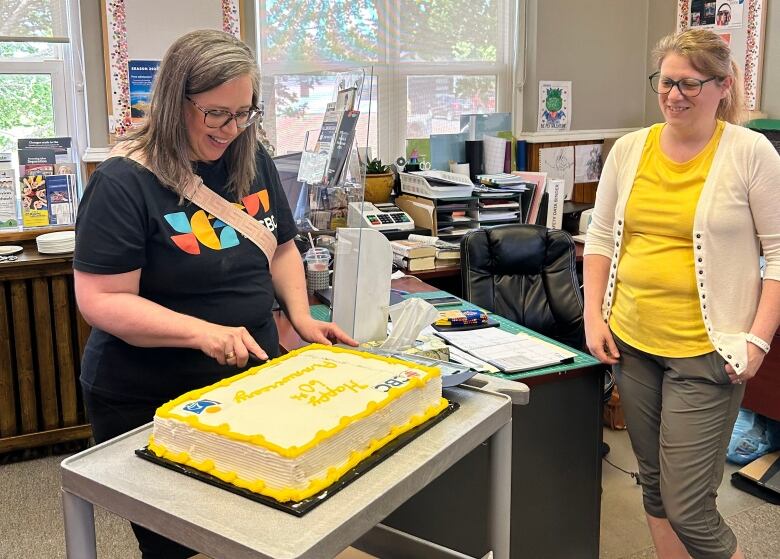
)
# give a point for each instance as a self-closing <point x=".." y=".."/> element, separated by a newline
<point x="34" y="530"/>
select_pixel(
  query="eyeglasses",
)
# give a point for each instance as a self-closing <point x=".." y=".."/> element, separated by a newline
<point x="688" y="87"/>
<point x="217" y="118"/>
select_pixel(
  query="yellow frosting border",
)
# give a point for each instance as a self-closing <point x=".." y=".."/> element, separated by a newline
<point x="165" y="411"/>
<point x="316" y="485"/>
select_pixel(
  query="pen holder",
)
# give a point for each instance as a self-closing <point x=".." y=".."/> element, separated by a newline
<point x="317" y="272"/>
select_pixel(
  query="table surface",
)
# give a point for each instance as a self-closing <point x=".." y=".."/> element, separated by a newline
<point x="415" y="287"/>
<point x="223" y="524"/>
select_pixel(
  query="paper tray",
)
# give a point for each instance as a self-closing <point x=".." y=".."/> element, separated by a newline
<point x="299" y="508"/>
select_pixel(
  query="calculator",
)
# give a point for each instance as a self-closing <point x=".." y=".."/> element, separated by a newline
<point x="383" y="217"/>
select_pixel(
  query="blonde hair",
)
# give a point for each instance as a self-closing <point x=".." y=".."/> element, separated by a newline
<point x="196" y="62"/>
<point x="710" y="55"/>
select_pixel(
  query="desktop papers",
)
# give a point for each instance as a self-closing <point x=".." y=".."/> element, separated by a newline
<point x="510" y="353"/>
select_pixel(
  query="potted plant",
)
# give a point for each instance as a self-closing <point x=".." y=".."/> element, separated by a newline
<point x="379" y="182"/>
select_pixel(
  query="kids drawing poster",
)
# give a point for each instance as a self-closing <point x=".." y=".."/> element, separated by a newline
<point x="554" y="106"/>
<point x="141" y="77"/>
<point x="587" y="163"/>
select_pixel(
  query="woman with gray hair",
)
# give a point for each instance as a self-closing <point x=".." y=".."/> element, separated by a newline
<point x="176" y="298"/>
<point x="674" y="299"/>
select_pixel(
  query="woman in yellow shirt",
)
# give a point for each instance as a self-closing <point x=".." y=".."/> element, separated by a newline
<point x="673" y="295"/>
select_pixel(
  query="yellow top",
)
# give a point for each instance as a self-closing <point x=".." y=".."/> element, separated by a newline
<point x="656" y="306"/>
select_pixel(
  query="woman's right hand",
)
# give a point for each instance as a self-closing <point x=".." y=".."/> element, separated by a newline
<point x="229" y="345"/>
<point x="599" y="340"/>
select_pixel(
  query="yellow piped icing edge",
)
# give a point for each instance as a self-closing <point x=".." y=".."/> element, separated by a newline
<point x="223" y="430"/>
<point x="316" y="485"/>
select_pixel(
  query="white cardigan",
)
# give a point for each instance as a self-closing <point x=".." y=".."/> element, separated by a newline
<point x="738" y="207"/>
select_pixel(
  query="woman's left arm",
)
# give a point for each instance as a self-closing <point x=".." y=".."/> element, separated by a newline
<point x="764" y="326"/>
<point x="765" y="208"/>
<point x="290" y="287"/>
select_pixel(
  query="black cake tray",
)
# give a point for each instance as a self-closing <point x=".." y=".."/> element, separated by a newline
<point x="299" y="508"/>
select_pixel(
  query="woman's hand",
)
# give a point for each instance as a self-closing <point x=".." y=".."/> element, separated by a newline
<point x="317" y="331"/>
<point x="755" y="358"/>
<point x="599" y="340"/>
<point x="229" y="345"/>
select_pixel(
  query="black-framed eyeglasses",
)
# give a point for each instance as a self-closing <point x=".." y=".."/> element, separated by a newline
<point x="217" y="118"/>
<point x="689" y="87"/>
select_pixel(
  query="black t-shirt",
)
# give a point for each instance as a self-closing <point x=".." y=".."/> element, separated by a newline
<point x="190" y="262"/>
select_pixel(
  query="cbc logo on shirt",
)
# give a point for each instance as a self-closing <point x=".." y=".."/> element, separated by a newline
<point x="204" y="229"/>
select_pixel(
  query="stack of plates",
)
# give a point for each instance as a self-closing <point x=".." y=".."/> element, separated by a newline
<point x="58" y="242"/>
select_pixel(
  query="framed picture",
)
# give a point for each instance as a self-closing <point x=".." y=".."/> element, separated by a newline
<point x="136" y="34"/>
<point x="740" y="23"/>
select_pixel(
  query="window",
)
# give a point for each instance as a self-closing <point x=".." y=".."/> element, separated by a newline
<point x="33" y="50"/>
<point x="428" y="60"/>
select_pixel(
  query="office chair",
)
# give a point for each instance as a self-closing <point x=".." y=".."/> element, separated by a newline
<point x="526" y="273"/>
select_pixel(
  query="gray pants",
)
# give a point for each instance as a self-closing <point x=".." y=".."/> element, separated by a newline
<point x="680" y="414"/>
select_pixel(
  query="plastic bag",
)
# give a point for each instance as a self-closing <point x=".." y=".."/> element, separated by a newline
<point x="753" y="436"/>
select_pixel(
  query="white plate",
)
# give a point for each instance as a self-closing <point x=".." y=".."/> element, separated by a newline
<point x="10" y="249"/>
<point x="56" y="236"/>
<point x="66" y="251"/>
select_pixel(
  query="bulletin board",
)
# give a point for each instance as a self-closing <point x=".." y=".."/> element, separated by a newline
<point x="741" y="24"/>
<point x="142" y="30"/>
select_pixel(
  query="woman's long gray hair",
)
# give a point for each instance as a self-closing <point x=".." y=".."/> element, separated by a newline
<point x="197" y="62"/>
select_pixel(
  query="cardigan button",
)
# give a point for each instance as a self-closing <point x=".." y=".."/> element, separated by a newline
<point x="728" y="357"/>
<point x="700" y="273"/>
<point x="736" y="365"/>
<point x="698" y="247"/>
<point x="698" y="235"/>
<point x="620" y="222"/>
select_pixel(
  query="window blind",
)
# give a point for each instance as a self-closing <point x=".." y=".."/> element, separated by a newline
<point x="31" y="21"/>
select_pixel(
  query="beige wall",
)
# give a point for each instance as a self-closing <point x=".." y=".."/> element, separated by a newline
<point x="602" y="47"/>
<point x="95" y="75"/>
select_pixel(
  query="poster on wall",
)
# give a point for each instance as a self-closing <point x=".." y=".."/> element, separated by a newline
<point x="716" y="14"/>
<point x="554" y="106"/>
<point x="587" y="163"/>
<point x="558" y="163"/>
<point x="140" y="77"/>
<point x="740" y="23"/>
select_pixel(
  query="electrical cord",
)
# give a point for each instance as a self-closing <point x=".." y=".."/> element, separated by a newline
<point x="634" y="475"/>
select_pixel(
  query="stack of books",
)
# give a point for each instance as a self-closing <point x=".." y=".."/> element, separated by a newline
<point x="413" y="256"/>
<point x="447" y="254"/>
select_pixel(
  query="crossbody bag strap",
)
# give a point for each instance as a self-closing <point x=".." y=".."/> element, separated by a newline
<point x="202" y="196"/>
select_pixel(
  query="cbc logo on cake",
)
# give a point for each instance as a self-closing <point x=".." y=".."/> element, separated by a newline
<point x="200" y="406"/>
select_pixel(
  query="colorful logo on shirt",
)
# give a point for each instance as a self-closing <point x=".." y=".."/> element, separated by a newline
<point x="205" y="229"/>
<point x="200" y="406"/>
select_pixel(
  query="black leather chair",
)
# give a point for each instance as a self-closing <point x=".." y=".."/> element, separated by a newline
<point x="526" y="273"/>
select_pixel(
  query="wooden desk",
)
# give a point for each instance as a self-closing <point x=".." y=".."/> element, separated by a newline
<point x="556" y="471"/>
<point x="42" y="336"/>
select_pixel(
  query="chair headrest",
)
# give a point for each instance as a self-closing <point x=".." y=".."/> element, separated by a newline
<point x="518" y="249"/>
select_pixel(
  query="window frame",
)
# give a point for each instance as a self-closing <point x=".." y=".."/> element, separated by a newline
<point x="389" y="69"/>
<point x="59" y="91"/>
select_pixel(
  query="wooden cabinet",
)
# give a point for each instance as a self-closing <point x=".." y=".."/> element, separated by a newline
<point x="42" y="336"/>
